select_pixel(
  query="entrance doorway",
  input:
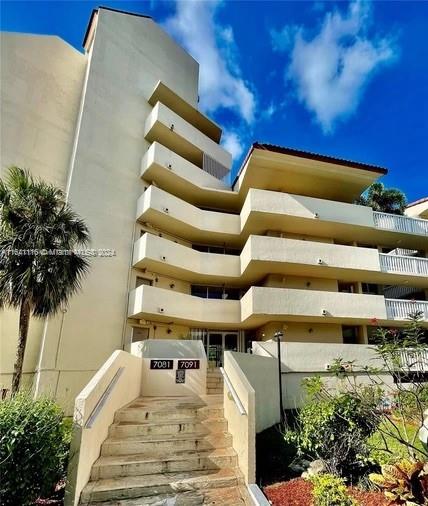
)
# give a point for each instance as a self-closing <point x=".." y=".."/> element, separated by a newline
<point x="217" y="342"/>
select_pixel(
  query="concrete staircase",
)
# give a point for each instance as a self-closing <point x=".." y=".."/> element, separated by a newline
<point x="173" y="451"/>
<point x="214" y="381"/>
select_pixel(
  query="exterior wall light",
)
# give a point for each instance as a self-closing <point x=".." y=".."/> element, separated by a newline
<point x="324" y="312"/>
<point x="316" y="215"/>
<point x="161" y="309"/>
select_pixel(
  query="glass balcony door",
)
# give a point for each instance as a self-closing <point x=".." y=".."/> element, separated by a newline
<point x="218" y="342"/>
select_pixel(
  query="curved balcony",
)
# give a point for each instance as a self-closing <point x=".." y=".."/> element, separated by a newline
<point x="261" y="305"/>
<point x="263" y="255"/>
<point x="168" y="128"/>
<point x="267" y="210"/>
<point x="159" y="304"/>
<point x="182" y="178"/>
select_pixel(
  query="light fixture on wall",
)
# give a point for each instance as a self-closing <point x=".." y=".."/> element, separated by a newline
<point x="310" y="330"/>
<point x="168" y="331"/>
<point x="171" y="127"/>
<point x="308" y="284"/>
<point x="172" y="285"/>
<point x="324" y="312"/>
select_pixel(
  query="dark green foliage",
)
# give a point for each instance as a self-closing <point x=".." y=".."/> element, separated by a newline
<point x="386" y="200"/>
<point x="39" y="269"/>
<point x="335" y="429"/>
<point x="330" y="490"/>
<point x="34" y="446"/>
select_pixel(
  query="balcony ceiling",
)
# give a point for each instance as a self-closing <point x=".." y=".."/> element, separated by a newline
<point x="311" y="176"/>
<point x="166" y="96"/>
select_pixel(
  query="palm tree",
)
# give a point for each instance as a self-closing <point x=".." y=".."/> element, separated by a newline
<point x="35" y="220"/>
<point x="386" y="200"/>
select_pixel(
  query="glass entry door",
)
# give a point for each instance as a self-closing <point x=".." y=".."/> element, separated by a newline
<point x="218" y="342"/>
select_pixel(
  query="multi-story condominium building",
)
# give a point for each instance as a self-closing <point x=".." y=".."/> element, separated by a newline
<point x="281" y="247"/>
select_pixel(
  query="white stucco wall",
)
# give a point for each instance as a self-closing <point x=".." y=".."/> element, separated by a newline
<point x="41" y="84"/>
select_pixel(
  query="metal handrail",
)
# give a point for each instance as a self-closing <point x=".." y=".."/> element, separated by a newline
<point x="400" y="223"/>
<point x="103" y="399"/>
<point x="229" y="385"/>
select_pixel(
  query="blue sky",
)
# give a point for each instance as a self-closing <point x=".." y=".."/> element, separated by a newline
<point x="347" y="79"/>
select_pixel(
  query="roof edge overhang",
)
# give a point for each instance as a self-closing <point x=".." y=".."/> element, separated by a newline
<point x="310" y="156"/>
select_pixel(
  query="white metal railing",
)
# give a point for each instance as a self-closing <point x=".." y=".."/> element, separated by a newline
<point x="398" y="309"/>
<point x="214" y="167"/>
<point x="401" y="263"/>
<point x="400" y="223"/>
<point x="414" y="359"/>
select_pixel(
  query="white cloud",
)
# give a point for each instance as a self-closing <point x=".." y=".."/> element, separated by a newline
<point x="269" y="111"/>
<point x="331" y="69"/>
<point x="232" y="143"/>
<point x="221" y="85"/>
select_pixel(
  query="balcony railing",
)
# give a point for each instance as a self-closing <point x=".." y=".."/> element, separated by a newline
<point x="400" y="223"/>
<point x="397" y="309"/>
<point x="414" y="359"/>
<point x="401" y="263"/>
<point x="213" y="167"/>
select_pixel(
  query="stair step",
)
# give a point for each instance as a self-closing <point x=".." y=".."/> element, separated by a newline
<point x="169" y="411"/>
<point x="229" y="496"/>
<point x="214" y="382"/>
<point x="138" y="465"/>
<point x="185" y="426"/>
<point x="152" y="485"/>
<point x="153" y="445"/>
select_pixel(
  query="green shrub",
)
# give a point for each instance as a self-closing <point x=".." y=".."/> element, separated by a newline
<point x="336" y="430"/>
<point x="330" y="490"/>
<point x="34" y="445"/>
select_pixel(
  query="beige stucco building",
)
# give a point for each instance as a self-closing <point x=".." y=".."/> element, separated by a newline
<point x="281" y="247"/>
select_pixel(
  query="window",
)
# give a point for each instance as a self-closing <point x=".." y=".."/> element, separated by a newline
<point x="216" y="292"/>
<point x="140" y="334"/>
<point x="372" y="289"/>
<point x="347" y="287"/>
<point x="350" y="334"/>
<point x="142" y="281"/>
<point x="220" y="250"/>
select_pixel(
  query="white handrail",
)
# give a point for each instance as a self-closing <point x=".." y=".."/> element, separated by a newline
<point x="400" y="223"/>
<point x="229" y="385"/>
<point x="103" y="399"/>
<point x="403" y="263"/>
<point x="400" y="309"/>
